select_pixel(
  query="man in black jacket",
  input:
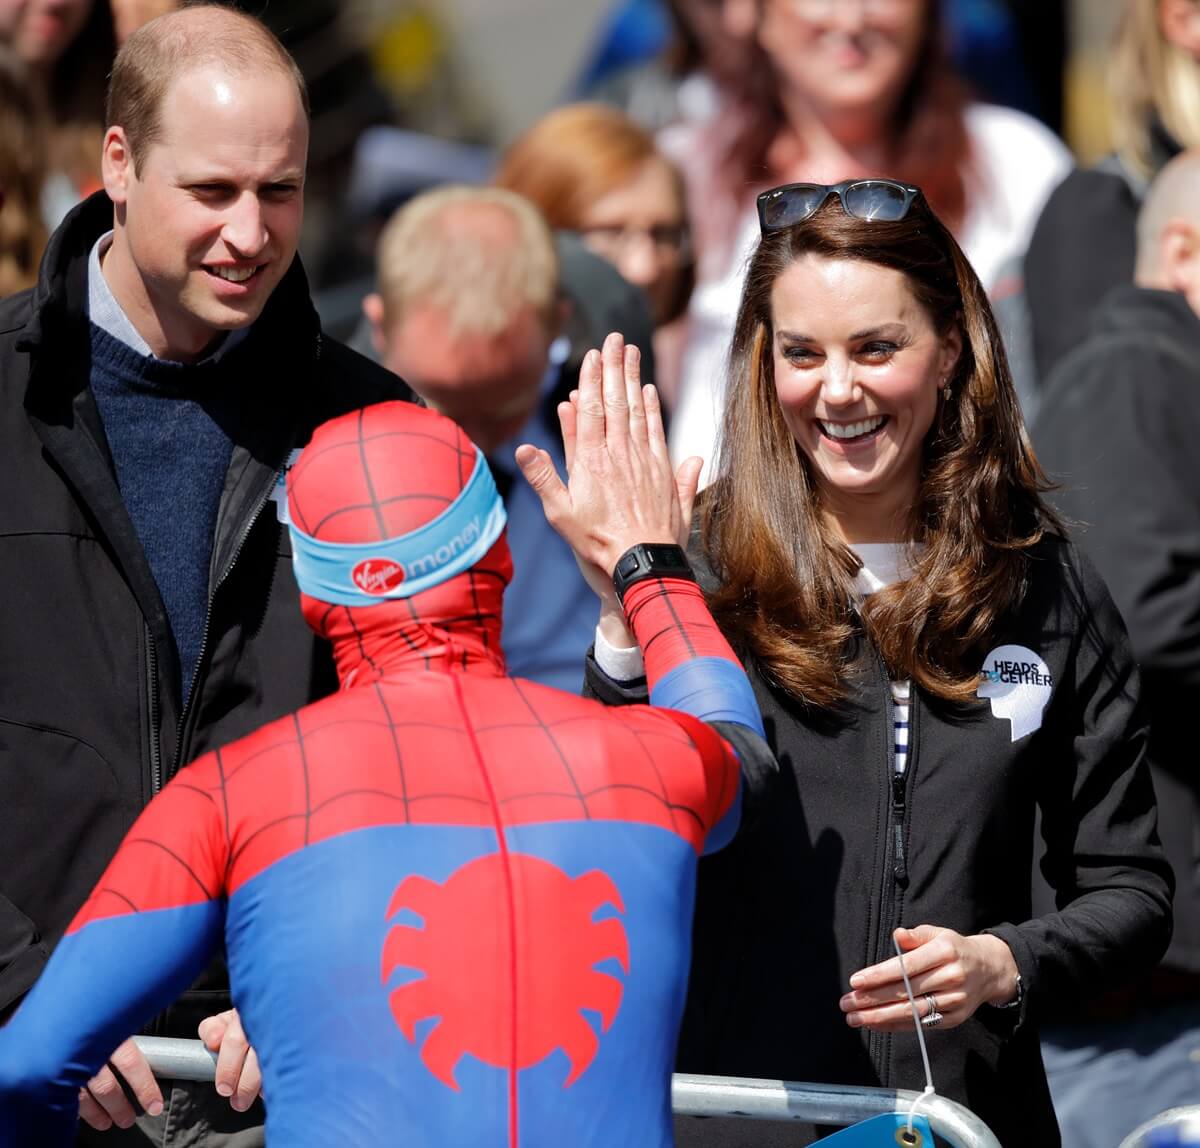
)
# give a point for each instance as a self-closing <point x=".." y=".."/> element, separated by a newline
<point x="1119" y="429"/>
<point x="153" y="386"/>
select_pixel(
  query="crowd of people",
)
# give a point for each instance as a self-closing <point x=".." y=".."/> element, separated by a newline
<point x="826" y="429"/>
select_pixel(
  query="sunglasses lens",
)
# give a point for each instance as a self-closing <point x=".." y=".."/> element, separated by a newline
<point x="875" y="199"/>
<point x="792" y="205"/>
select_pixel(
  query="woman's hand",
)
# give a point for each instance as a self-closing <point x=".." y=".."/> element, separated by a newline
<point x="621" y="489"/>
<point x="961" y="973"/>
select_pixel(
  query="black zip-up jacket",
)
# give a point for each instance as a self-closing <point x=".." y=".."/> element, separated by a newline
<point x="91" y="724"/>
<point x="1119" y="431"/>
<point x="839" y="854"/>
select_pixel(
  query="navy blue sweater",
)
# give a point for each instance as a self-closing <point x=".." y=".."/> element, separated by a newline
<point x="166" y="428"/>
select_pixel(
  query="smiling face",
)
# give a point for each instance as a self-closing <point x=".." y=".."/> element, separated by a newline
<point x="858" y="366"/>
<point x="207" y="227"/>
<point x="843" y="58"/>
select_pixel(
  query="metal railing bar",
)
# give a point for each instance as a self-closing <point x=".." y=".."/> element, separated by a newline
<point x="718" y="1096"/>
<point x="822" y="1104"/>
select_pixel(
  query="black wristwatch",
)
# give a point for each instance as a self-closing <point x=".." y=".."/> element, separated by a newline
<point x="650" y="560"/>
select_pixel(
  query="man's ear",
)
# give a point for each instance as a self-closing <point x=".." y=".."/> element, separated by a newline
<point x="1179" y="250"/>
<point x="116" y="165"/>
<point x="372" y="307"/>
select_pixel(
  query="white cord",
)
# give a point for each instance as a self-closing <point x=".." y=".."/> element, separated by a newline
<point x="929" y="1089"/>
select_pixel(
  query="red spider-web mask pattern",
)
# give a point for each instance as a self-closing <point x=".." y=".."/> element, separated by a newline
<point x="355" y="483"/>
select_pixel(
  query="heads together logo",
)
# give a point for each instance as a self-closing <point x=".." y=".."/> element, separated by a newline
<point x="379" y="576"/>
<point x="1018" y="684"/>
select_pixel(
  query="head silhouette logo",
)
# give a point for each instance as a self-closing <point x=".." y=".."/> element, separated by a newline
<point x="377" y="575"/>
<point x="1018" y="684"/>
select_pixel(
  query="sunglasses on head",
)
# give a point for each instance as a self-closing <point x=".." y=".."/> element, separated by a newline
<point x="878" y="199"/>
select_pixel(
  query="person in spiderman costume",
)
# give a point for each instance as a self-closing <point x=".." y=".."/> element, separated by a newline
<point x="456" y="905"/>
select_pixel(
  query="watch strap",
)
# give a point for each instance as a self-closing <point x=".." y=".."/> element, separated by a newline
<point x="650" y="560"/>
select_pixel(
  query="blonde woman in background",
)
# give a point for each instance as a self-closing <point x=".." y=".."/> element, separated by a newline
<point x="22" y="168"/>
<point x="1084" y="242"/>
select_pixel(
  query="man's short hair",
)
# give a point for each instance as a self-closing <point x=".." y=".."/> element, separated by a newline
<point x="197" y="35"/>
<point x="444" y="248"/>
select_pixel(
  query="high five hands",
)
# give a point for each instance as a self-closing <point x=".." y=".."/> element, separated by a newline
<point x="621" y="489"/>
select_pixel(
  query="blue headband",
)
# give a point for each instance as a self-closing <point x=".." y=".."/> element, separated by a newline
<point x="367" y="573"/>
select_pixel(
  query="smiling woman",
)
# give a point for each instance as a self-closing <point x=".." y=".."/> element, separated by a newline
<point x="877" y="546"/>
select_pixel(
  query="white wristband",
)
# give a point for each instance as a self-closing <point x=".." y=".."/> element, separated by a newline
<point x="622" y="664"/>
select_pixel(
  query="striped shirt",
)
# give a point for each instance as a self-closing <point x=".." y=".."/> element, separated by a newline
<point x="883" y="564"/>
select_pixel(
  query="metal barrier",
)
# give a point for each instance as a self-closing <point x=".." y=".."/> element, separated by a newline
<point x="1176" y="1126"/>
<point x="726" y="1096"/>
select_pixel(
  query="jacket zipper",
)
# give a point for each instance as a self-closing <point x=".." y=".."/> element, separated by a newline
<point x="899" y="861"/>
<point x="895" y="874"/>
<point x="155" y="739"/>
<point x="187" y="707"/>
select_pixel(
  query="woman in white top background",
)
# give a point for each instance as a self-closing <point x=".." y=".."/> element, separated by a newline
<point x="838" y="89"/>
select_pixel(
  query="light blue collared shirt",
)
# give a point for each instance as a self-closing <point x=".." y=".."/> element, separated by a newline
<point x="108" y="315"/>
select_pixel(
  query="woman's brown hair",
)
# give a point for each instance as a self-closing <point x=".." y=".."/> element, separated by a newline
<point x="22" y="169"/>
<point x="787" y="580"/>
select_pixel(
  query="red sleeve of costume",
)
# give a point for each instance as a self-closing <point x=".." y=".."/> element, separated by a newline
<point x="691" y="669"/>
<point x="175" y="853"/>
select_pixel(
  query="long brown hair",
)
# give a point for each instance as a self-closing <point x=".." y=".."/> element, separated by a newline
<point x="22" y="170"/>
<point x="787" y="580"/>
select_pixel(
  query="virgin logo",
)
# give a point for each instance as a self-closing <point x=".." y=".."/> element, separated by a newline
<point x="377" y="575"/>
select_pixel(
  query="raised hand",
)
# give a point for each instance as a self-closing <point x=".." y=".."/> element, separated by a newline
<point x="621" y="489"/>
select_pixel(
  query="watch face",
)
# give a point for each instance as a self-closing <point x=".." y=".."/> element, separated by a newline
<point x="661" y="555"/>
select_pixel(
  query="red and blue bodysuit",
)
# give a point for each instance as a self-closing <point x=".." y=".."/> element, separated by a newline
<point x="456" y="905"/>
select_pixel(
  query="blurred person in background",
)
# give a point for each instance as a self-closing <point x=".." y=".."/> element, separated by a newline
<point x="130" y="15"/>
<point x="665" y="61"/>
<point x="470" y="313"/>
<point x="592" y="170"/>
<point x="841" y="89"/>
<point x="22" y="169"/>
<point x="1118" y="428"/>
<point x="1084" y="243"/>
<point x="68" y="47"/>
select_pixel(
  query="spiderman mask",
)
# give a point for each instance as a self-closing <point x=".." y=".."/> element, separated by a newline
<point x="398" y="541"/>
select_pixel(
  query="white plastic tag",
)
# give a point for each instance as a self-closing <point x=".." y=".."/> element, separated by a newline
<point x="279" y="493"/>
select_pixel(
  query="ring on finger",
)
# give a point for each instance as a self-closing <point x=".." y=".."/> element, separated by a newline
<point x="932" y="1018"/>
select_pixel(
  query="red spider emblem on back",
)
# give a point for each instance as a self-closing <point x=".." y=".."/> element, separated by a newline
<point x="466" y="950"/>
